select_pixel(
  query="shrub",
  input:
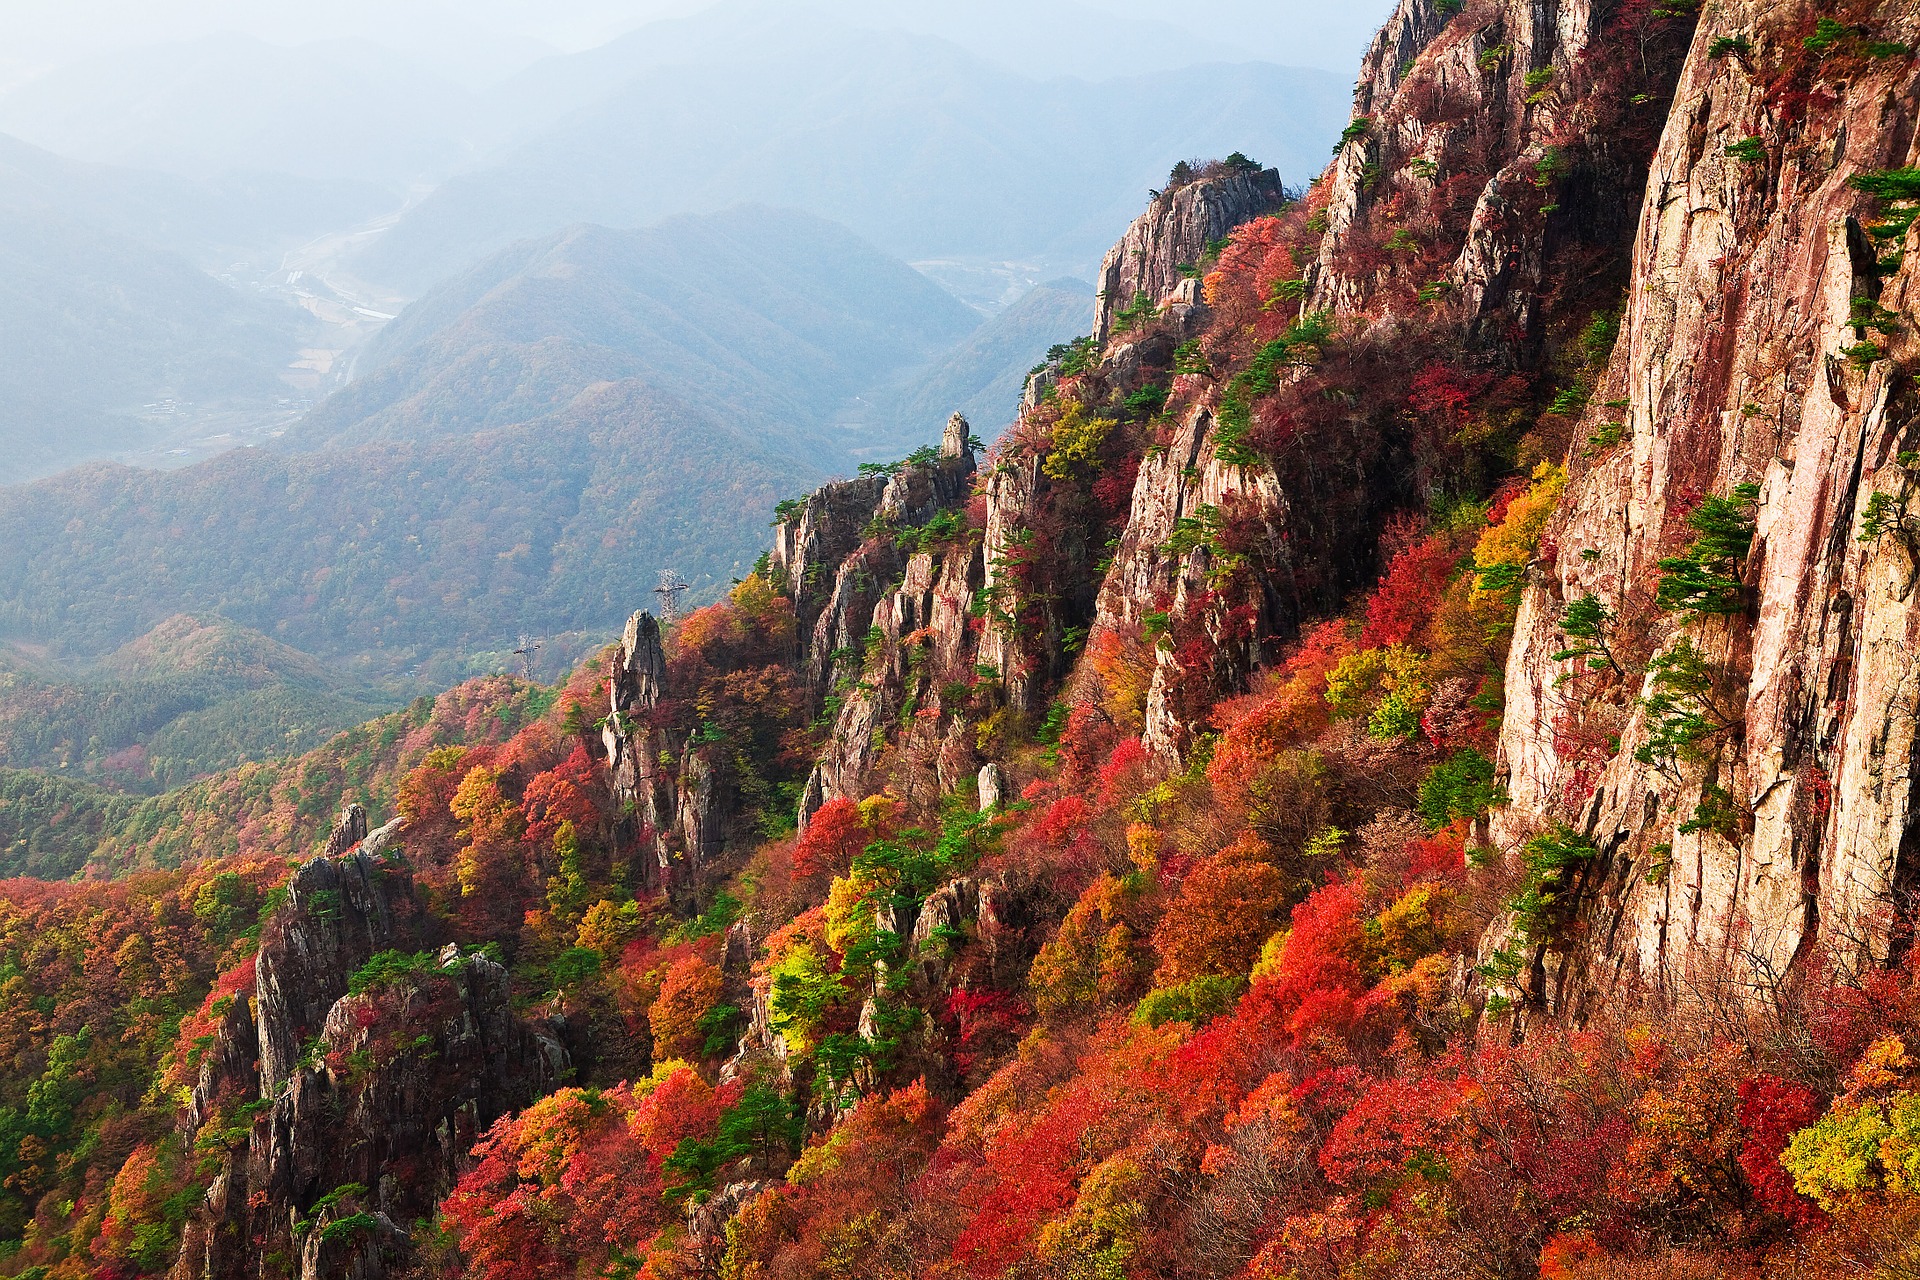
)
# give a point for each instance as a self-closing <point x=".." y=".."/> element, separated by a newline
<point x="1682" y="709"/>
<point x="1460" y="787"/>
<point x="1899" y="189"/>
<point x="1546" y="859"/>
<point x="1866" y="313"/>
<point x="1702" y="581"/>
<point x="1501" y="556"/>
<point x="1195" y="1001"/>
<point x="1585" y="623"/>
<point x="388" y="968"/>
<point x="1389" y="686"/>
<point x="1077" y="438"/>
<point x="1261" y="377"/>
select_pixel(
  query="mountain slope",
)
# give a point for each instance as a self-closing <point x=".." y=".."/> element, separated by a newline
<point x="1423" y="791"/>
<point x="97" y="326"/>
<point x="913" y="144"/>
<point x="213" y="222"/>
<point x="764" y="315"/>
<point x="405" y="554"/>
<point x="190" y="697"/>
<point x="982" y="377"/>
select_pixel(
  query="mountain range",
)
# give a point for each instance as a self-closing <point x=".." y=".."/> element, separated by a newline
<point x="561" y="423"/>
<point x="770" y="318"/>
<point x="920" y="147"/>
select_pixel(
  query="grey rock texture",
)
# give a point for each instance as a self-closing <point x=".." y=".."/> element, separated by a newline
<point x="312" y="1088"/>
<point x="1174" y="233"/>
<point x="1732" y="371"/>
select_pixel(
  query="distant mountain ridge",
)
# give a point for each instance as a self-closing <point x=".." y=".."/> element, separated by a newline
<point x="397" y="555"/>
<point x="767" y="316"/>
<point x="190" y="696"/>
<point x="208" y="220"/>
<point x="910" y="141"/>
<point x="96" y="326"/>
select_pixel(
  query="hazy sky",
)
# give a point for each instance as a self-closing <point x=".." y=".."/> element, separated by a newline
<point x="478" y="39"/>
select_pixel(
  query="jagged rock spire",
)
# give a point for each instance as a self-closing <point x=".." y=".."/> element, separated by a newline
<point x="954" y="443"/>
<point x="641" y="670"/>
<point x="348" y="832"/>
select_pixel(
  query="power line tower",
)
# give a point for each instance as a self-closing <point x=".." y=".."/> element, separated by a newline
<point x="529" y="649"/>
<point x="672" y="587"/>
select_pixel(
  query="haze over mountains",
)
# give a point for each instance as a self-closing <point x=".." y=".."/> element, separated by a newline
<point x="765" y="316"/>
<point x="922" y="147"/>
<point x="654" y="266"/>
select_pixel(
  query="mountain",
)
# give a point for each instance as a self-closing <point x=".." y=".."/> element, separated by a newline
<point x="216" y="223"/>
<point x="107" y="339"/>
<point x="981" y="377"/>
<point x="1399" y="764"/>
<point x="50" y="826"/>
<point x="767" y="317"/>
<point x="915" y="145"/>
<point x="405" y="555"/>
<point x="523" y="444"/>
<point x="190" y="697"/>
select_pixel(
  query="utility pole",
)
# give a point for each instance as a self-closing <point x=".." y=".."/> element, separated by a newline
<point x="672" y="587"/>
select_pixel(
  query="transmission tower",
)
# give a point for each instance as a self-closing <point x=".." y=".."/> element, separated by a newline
<point x="529" y="649"/>
<point x="672" y="587"/>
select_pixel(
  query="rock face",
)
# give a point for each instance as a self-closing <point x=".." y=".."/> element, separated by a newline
<point x="1174" y="233"/>
<point x="338" y="1118"/>
<point x="1494" y="107"/>
<point x="1447" y="128"/>
<point x="1175" y="485"/>
<point x="851" y="558"/>
<point x="678" y="800"/>
<point x="987" y="911"/>
<point x="1750" y="272"/>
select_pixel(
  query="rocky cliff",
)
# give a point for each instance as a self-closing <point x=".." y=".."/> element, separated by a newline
<point x="1743" y="764"/>
<point x="1157" y="261"/>
<point x="340" y="1101"/>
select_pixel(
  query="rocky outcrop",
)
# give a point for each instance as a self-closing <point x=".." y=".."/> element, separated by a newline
<point x="1186" y="482"/>
<point x="810" y="545"/>
<point x="1159" y="255"/>
<point x="838" y="556"/>
<point x="337" y="1116"/>
<point x="1789" y="823"/>
<point x="892" y="627"/>
<point x="985" y="916"/>
<point x="1533" y="118"/>
<point x="678" y="799"/>
<point x="348" y="832"/>
<point x="1492" y="149"/>
<point x="634" y="748"/>
<point x="1411" y="28"/>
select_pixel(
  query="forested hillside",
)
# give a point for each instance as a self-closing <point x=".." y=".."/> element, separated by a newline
<point x="527" y="446"/>
<point x="406" y="556"/>
<point x="766" y="318"/>
<point x="101" y="329"/>
<point x="190" y="697"/>
<point x="1395" y="766"/>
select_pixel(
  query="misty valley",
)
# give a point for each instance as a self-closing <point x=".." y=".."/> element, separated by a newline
<point x="1049" y="640"/>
